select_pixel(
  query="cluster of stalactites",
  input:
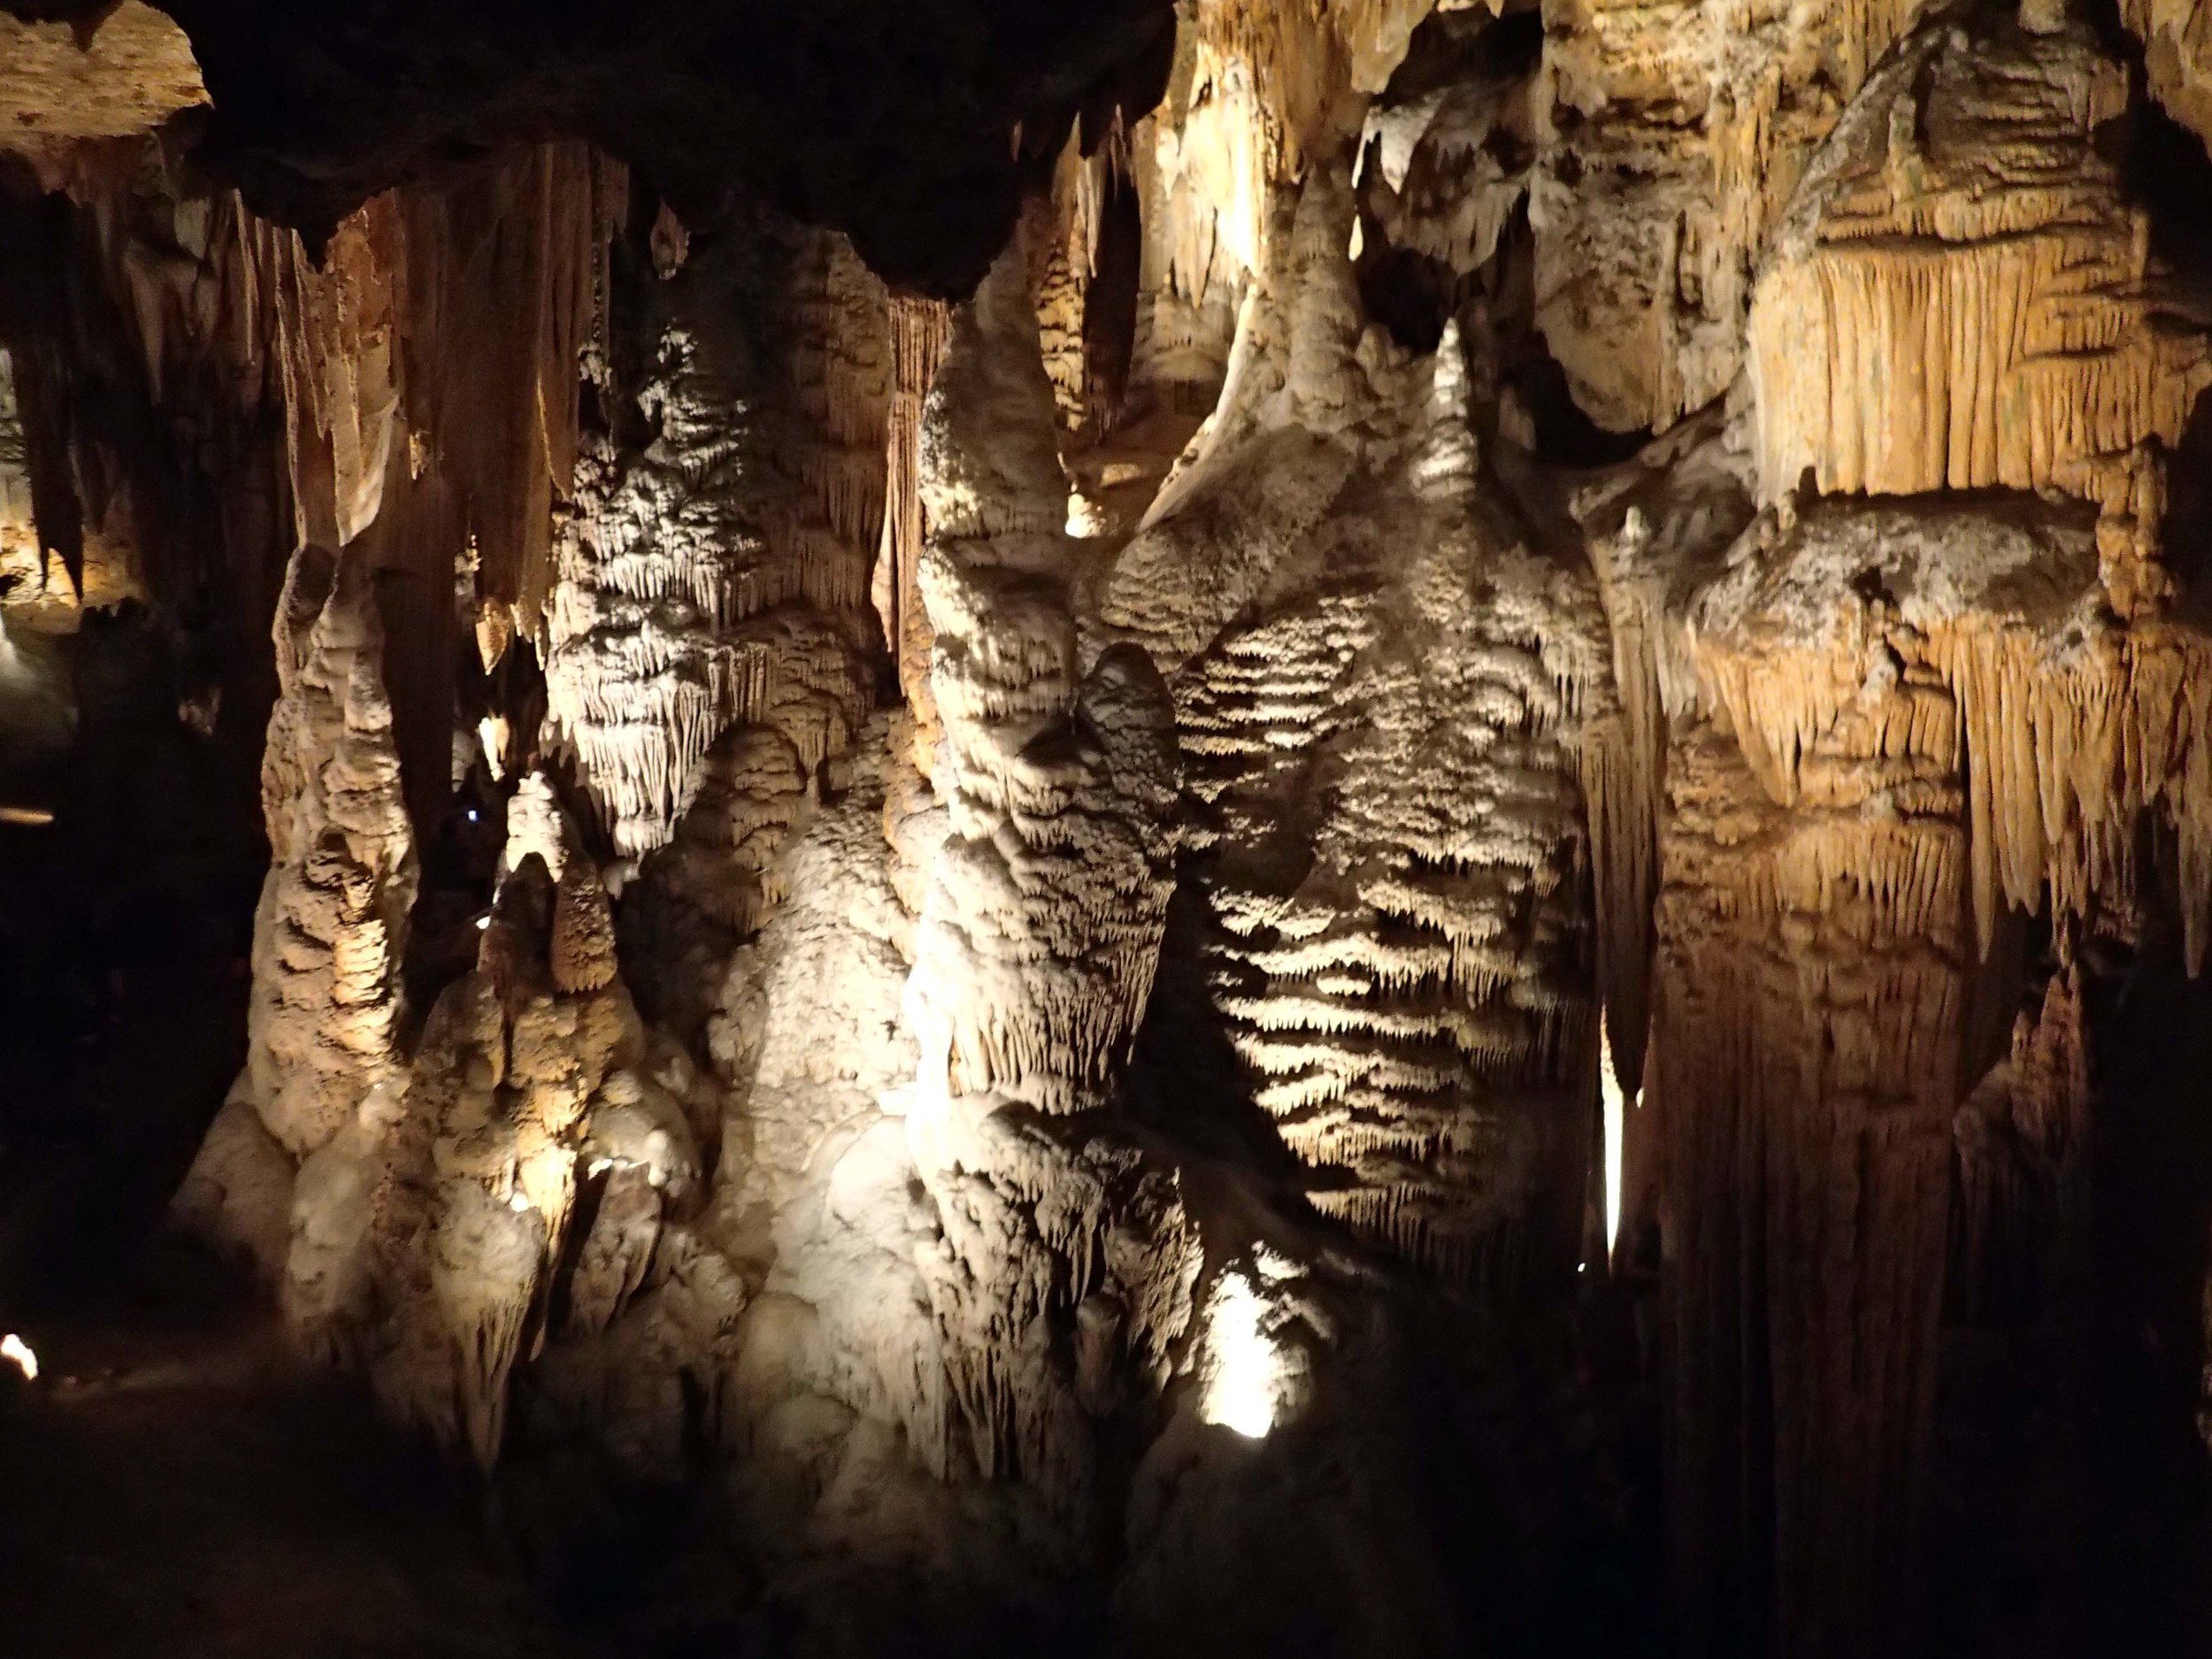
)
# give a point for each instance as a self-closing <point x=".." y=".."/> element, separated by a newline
<point x="1667" y="141"/>
<point x="439" y="336"/>
<point x="2051" y="730"/>
<point x="715" y="576"/>
<point x="1961" y="297"/>
<point x="1261" y="95"/>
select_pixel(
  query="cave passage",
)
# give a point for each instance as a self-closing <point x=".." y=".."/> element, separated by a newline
<point x="1246" y="827"/>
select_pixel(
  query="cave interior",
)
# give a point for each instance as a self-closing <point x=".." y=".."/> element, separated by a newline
<point x="1280" y="827"/>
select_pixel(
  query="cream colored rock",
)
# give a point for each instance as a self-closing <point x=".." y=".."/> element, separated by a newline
<point x="132" y="73"/>
<point x="1961" y="295"/>
<point x="328" y="935"/>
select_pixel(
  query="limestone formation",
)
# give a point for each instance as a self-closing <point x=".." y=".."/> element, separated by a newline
<point x="327" y="938"/>
<point x="1960" y="296"/>
<point x="1401" y="956"/>
<point x="1035" y="947"/>
<point x="1367" y="825"/>
<point x="718" y="545"/>
<point x="61" y="85"/>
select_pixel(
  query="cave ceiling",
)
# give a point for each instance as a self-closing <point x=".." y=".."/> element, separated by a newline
<point x="911" y="127"/>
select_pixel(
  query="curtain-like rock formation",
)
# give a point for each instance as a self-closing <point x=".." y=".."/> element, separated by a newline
<point x="1382" y="710"/>
<point x="982" y="927"/>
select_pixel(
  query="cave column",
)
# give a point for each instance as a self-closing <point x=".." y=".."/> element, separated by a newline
<point x="1813" y="967"/>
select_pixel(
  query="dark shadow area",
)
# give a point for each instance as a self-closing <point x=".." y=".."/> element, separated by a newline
<point x="178" y="1488"/>
<point x="125" y="927"/>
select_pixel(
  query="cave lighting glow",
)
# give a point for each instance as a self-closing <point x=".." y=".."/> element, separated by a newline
<point x="1246" y="1384"/>
<point x="491" y="736"/>
<point x="18" y="1353"/>
<point x="1616" y="1107"/>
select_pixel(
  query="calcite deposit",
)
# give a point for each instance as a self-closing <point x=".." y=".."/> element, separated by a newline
<point x="1334" y="825"/>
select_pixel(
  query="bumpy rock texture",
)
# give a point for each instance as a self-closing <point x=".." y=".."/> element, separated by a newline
<point x="1370" y="799"/>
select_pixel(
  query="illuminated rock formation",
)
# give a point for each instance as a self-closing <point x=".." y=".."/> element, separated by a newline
<point x="719" y="545"/>
<point x="61" y="85"/>
<point x="342" y="876"/>
<point x="323" y="1024"/>
<point x="1400" y="949"/>
<point x="1398" y="775"/>
<point x="1960" y="296"/>
<point x="1035" y="945"/>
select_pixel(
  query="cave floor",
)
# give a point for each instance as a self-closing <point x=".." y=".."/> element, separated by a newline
<point x="174" y="1486"/>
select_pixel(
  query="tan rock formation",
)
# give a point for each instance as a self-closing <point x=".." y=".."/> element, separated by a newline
<point x="1046" y="1131"/>
<point x="1960" y="296"/>
<point x="327" y="939"/>
<point x="713" y="568"/>
<point x="59" y="86"/>
<point x="1037" y="939"/>
<point x="1383" y="715"/>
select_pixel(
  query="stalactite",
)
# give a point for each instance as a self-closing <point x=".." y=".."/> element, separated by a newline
<point x="1442" y="172"/>
<point x="1675" y="137"/>
<point x="1975" y="306"/>
<point x="421" y="379"/>
<point x="398" y="340"/>
<point x="919" y="329"/>
<point x="717" y="574"/>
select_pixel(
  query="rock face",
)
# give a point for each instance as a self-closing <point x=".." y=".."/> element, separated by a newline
<point x="1370" y="800"/>
<point x="116" y="74"/>
<point x="306" y="122"/>
<point x="1959" y="296"/>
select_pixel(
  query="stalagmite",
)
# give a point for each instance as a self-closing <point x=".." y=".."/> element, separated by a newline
<point x="1035" y="946"/>
<point x="327" y="938"/>
<point x="531" y="1076"/>
<point x="1409" y="995"/>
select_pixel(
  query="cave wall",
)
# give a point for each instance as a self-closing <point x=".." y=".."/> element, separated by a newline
<point x="1056" y="851"/>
